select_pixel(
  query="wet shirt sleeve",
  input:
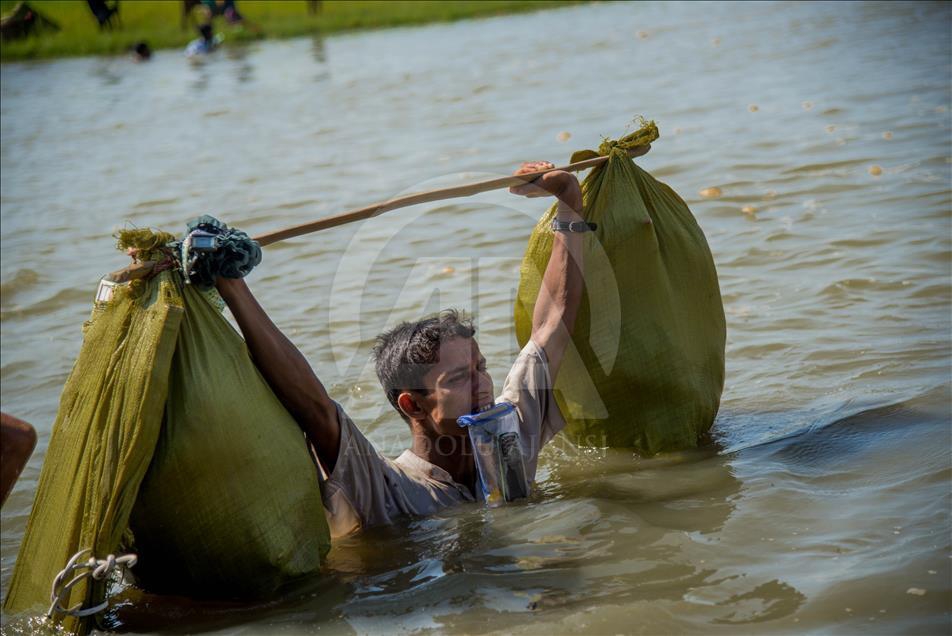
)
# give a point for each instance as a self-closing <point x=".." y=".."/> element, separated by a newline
<point x="529" y="388"/>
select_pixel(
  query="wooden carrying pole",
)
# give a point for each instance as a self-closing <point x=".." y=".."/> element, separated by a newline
<point x="470" y="189"/>
<point x="143" y="269"/>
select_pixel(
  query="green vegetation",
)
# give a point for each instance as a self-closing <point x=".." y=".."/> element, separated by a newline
<point x="160" y="22"/>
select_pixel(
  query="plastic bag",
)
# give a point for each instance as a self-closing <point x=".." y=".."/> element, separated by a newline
<point x="497" y="450"/>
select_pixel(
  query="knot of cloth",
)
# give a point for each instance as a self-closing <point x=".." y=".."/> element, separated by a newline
<point x="646" y="133"/>
<point x="619" y="148"/>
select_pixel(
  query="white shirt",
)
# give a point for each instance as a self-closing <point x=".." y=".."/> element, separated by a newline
<point x="367" y="489"/>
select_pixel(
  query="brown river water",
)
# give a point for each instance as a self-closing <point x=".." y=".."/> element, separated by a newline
<point x="825" y="129"/>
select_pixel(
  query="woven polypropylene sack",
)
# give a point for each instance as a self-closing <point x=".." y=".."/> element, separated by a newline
<point x="646" y="365"/>
<point x="231" y="505"/>
<point x="103" y="439"/>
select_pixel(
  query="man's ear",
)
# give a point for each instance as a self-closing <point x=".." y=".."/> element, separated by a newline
<point x="410" y="406"/>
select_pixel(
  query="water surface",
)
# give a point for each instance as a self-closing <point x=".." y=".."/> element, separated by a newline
<point x="827" y="131"/>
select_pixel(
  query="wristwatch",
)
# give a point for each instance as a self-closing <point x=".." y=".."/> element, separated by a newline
<point x="573" y="226"/>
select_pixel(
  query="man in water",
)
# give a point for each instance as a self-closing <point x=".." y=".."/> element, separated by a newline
<point x="432" y="372"/>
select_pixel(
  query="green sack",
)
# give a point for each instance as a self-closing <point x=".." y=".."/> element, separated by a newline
<point x="647" y="366"/>
<point x="165" y="425"/>
<point x="231" y="505"/>
<point x="102" y="442"/>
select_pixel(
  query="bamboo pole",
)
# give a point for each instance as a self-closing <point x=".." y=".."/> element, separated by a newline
<point x="143" y="269"/>
<point x="453" y="192"/>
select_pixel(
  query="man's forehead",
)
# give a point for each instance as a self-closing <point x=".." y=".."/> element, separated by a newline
<point x="454" y="353"/>
<point x="458" y="348"/>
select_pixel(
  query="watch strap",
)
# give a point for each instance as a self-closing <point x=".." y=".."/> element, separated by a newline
<point x="573" y="226"/>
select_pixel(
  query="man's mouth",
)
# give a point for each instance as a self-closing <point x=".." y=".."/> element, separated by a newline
<point x="485" y="407"/>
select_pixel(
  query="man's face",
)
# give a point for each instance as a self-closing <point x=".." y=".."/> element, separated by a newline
<point x="458" y="384"/>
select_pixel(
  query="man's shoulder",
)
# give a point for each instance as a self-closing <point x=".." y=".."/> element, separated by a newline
<point x="529" y="371"/>
<point x="380" y="489"/>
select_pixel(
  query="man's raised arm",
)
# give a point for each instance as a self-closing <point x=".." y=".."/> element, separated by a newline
<point x="286" y="370"/>
<point x="557" y="305"/>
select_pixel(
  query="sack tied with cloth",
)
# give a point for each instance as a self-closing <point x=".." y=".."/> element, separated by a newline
<point x="647" y="367"/>
<point x="169" y="443"/>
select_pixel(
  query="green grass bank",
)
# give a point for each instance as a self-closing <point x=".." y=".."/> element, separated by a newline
<point x="159" y="22"/>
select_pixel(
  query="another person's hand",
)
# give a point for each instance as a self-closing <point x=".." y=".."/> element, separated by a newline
<point x="558" y="183"/>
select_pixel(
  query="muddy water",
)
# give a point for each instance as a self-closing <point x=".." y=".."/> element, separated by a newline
<point x="820" y="136"/>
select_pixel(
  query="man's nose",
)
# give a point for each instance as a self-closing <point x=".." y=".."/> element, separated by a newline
<point x="482" y="383"/>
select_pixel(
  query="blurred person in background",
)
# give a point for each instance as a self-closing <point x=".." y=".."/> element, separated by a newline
<point x="203" y="45"/>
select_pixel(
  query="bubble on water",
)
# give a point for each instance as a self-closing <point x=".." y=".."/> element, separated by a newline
<point x="749" y="209"/>
<point x="831" y="128"/>
<point x="530" y="563"/>
<point x="716" y="41"/>
<point x="711" y="193"/>
<point x="875" y="171"/>
<point x="849" y="610"/>
<point x="933" y="572"/>
<point x="564" y="136"/>
<point x="33" y="626"/>
<point x="643" y="35"/>
<point x="916" y="591"/>
<point x="807" y="105"/>
<point x="887" y="135"/>
<point x="753" y="108"/>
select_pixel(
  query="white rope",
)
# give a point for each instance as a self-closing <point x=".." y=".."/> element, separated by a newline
<point x="97" y="569"/>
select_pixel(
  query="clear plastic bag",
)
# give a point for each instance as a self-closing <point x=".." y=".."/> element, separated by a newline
<point x="497" y="449"/>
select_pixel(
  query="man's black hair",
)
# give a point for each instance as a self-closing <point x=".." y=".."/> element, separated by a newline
<point x="404" y="354"/>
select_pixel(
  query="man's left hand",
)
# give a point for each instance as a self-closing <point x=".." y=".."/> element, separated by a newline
<point x="558" y="183"/>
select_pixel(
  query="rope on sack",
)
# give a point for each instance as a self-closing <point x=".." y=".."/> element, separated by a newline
<point x="97" y="569"/>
